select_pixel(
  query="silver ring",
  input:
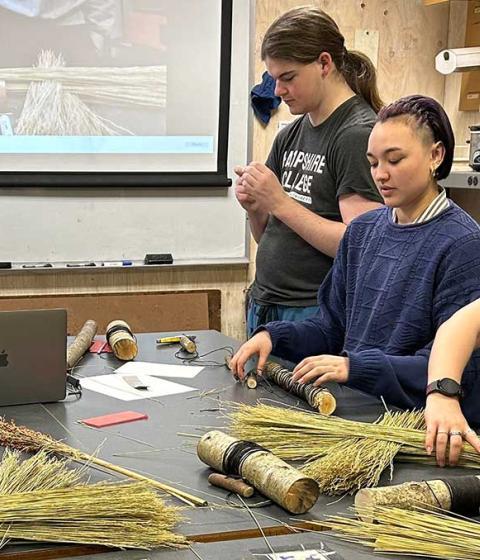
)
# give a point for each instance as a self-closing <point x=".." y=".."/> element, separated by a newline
<point x="442" y="432"/>
<point x="456" y="433"/>
<point x="469" y="431"/>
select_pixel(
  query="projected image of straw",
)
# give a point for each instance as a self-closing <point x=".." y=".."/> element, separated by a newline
<point x="50" y="109"/>
<point x="132" y="85"/>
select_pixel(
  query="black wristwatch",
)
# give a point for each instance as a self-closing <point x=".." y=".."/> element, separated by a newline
<point x="446" y="386"/>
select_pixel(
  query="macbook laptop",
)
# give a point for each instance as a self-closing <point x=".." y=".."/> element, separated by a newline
<point x="33" y="356"/>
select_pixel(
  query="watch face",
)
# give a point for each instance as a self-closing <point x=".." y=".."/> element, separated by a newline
<point x="448" y="386"/>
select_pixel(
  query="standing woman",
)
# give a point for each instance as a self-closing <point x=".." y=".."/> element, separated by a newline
<point x="400" y="272"/>
<point x="316" y="178"/>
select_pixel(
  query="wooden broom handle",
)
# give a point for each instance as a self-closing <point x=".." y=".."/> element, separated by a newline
<point x="189" y="499"/>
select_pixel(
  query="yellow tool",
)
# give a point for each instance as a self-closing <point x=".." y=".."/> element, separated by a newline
<point x="186" y="342"/>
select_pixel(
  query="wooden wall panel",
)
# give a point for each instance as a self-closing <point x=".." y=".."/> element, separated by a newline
<point x="144" y="312"/>
<point x="410" y="35"/>
<point x="230" y="281"/>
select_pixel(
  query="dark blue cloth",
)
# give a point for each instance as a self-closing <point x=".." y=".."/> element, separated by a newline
<point x="390" y="288"/>
<point x="263" y="98"/>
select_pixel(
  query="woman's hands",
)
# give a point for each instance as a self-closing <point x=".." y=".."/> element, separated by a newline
<point x="446" y="424"/>
<point x="322" y="368"/>
<point x="319" y="368"/>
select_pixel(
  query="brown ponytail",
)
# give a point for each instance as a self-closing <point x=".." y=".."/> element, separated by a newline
<point x="302" y="34"/>
<point x="359" y="73"/>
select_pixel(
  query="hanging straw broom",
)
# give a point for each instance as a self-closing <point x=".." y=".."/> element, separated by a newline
<point x="305" y="436"/>
<point x="416" y="533"/>
<point x="25" y="439"/>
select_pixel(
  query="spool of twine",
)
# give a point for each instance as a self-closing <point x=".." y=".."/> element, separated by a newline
<point x="121" y="340"/>
<point x="271" y="476"/>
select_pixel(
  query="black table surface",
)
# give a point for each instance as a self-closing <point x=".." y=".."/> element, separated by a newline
<point x="172" y="459"/>
<point x="257" y="549"/>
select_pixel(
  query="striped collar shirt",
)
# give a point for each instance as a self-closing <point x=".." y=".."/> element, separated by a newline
<point x="436" y="207"/>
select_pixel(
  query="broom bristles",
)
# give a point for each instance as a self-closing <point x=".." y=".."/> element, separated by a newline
<point x="40" y="472"/>
<point x="342" y="455"/>
<point x="418" y="533"/>
<point x="42" y="500"/>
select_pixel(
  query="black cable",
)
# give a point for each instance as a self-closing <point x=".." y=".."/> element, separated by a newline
<point x="230" y="501"/>
<point x="74" y="387"/>
<point x="196" y="359"/>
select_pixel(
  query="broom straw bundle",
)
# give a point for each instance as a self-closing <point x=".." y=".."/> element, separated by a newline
<point x="25" y="439"/>
<point x="416" y="533"/>
<point x="41" y="499"/>
<point x="116" y="515"/>
<point x="50" y="109"/>
<point x="39" y="472"/>
<point x="306" y="436"/>
<point x="356" y="463"/>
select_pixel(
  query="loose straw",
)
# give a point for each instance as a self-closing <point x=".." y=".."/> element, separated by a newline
<point x="50" y="109"/>
<point x="116" y="515"/>
<point x="356" y="463"/>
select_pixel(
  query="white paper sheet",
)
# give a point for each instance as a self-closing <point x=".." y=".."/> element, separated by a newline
<point x="115" y="386"/>
<point x="160" y="370"/>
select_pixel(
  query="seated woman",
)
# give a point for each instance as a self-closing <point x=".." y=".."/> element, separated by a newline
<point x="454" y="343"/>
<point x="400" y="272"/>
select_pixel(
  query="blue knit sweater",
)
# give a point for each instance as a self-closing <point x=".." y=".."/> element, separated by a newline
<point x="389" y="290"/>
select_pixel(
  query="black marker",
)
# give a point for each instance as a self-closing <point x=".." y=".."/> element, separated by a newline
<point x="70" y="265"/>
<point x="43" y="265"/>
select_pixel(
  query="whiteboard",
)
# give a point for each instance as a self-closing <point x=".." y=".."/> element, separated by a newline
<point x="196" y="225"/>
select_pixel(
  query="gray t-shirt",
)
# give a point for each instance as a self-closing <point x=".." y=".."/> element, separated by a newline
<point x="315" y="165"/>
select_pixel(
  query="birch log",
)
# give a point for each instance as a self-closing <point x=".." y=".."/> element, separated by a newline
<point x="82" y="343"/>
<point x="431" y="495"/>
<point x="271" y="476"/>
